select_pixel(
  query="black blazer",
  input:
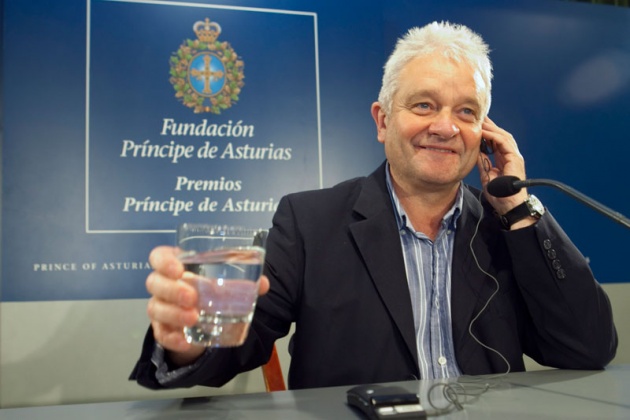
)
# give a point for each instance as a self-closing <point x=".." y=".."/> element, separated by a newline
<point x="336" y="268"/>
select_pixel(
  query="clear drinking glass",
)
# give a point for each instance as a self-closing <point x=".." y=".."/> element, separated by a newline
<point x="224" y="264"/>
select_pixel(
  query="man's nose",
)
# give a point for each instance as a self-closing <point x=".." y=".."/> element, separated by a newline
<point x="444" y="126"/>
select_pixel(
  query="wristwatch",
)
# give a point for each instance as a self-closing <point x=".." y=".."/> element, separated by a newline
<point x="531" y="207"/>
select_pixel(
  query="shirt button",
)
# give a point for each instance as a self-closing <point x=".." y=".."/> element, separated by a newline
<point x="442" y="360"/>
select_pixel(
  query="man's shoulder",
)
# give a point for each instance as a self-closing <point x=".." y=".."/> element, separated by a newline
<point x="347" y="188"/>
<point x="343" y="189"/>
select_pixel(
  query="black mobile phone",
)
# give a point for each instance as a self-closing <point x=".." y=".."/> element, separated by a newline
<point x="386" y="402"/>
<point x="486" y="146"/>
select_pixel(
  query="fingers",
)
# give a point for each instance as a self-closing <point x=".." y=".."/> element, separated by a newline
<point x="180" y="352"/>
<point x="171" y="314"/>
<point x="507" y="157"/>
<point x="164" y="260"/>
<point x="172" y="305"/>
<point x="507" y="161"/>
<point x="503" y="140"/>
<point x="263" y="285"/>
<point x="167" y="313"/>
<point x="170" y="338"/>
<point x="171" y="290"/>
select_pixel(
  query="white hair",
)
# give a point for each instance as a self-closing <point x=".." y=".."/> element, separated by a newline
<point x="454" y="41"/>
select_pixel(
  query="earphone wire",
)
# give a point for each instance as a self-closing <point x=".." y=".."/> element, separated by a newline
<point x="485" y="306"/>
<point x="467" y="390"/>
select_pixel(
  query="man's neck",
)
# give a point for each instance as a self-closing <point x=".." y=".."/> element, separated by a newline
<point x="426" y="208"/>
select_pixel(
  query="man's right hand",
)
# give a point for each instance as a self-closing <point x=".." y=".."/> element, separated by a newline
<point x="172" y="305"/>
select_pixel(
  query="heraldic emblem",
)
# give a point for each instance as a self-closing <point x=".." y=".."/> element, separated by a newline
<point x="206" y="74"/>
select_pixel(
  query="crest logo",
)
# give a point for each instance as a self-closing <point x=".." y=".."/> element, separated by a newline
<point x="207" y="74"/>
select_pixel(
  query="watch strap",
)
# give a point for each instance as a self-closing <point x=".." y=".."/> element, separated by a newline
<point x="519" y="213"/>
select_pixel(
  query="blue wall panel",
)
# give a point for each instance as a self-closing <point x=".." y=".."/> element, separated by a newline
<point x="81" y="77"/>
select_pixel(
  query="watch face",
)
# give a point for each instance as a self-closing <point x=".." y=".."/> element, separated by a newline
<point x="535" y="206"/>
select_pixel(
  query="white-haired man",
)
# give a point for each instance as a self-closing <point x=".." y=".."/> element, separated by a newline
<point x="407" y="273"/>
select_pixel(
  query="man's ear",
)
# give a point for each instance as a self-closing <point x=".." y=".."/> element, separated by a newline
<point x="380" y="118"/>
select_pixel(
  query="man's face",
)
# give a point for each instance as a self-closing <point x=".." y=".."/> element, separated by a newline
<point x="432" y="133"/>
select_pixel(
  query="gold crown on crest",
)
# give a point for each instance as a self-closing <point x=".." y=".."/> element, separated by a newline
<point x="207" y="31"/>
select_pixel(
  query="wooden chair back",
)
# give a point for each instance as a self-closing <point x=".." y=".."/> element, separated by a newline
<point x="272" y="373"/>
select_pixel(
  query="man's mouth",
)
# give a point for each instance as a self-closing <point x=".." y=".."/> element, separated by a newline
<point x="435" y="149"/>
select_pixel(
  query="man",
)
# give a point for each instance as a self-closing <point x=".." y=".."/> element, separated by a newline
<point x="406" y="273"/>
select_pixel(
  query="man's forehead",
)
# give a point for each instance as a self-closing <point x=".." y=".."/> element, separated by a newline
<point x="426" y="75"/>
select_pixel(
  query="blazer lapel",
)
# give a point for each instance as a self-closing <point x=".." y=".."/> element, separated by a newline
<point x="376" y="236"/>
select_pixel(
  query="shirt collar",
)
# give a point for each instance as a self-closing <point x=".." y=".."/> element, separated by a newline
<point x="448" y="221"/>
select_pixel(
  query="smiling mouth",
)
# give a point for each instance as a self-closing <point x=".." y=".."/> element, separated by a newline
<point x="433" y="149"/>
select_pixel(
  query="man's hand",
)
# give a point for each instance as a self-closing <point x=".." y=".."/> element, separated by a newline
<point x="173" y="304"/>
<point x="508" y="161"/>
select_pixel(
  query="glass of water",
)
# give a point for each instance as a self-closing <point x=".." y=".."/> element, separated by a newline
<point x="224" y="264"/>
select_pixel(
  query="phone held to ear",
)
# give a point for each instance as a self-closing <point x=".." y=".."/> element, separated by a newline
<point x="486" y="146"/>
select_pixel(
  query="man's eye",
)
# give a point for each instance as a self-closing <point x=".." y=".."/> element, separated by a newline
<point x="469" y="114"/>
<point x="423" y="105"/>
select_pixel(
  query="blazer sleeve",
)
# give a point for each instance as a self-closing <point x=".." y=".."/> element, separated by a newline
<point x="571" y="315"/>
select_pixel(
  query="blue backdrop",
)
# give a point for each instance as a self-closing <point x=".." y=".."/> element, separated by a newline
<point x="89" y="86"/>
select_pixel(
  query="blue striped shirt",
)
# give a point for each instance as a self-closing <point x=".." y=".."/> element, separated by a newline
<point x="428" y="267"/>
